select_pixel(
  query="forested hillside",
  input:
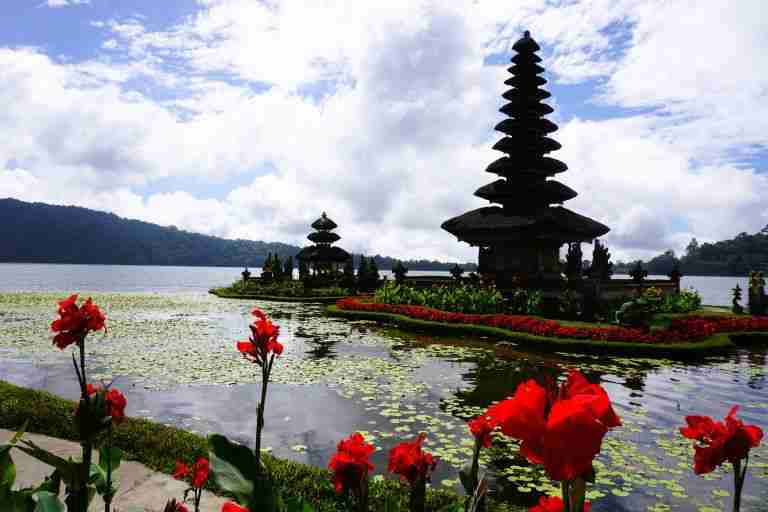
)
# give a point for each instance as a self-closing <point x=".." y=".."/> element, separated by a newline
<point x="44" y="233"/>
<point x="735" y="257"/>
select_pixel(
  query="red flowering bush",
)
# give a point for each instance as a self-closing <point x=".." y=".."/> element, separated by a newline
<point x="720" y="442"/>
<point x="199" y="473"/>
<point x="686" y="329"/>
<point x="554" y="504"/>
<point x="74" y="322"/>
<point x="350" y="467"/>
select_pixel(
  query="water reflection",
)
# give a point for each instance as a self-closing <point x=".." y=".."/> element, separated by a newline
<point x="337" y="377"/>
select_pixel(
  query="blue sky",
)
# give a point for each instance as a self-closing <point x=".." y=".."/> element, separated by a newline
<point x="242" y="118"/>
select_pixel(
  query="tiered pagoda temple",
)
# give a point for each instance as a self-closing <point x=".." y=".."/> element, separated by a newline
<point x="519" y="241"/>
<point x="323" y="258"/>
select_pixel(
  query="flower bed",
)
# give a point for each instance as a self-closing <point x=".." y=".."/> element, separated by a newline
<point x="686" y="329"/>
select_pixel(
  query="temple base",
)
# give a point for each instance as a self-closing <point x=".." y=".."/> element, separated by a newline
<point x="513" y="266"/>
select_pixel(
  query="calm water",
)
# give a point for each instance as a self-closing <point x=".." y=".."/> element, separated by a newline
<point x="170" y="348"/>
<point x="137" y="278"/>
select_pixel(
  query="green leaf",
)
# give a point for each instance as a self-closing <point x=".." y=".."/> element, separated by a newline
<point x="17" y="436"/>
<point x="466" y="480"/>
<point x="264" y="497"/>
<point x="98" y="477"/>
<point x="237" y="455"/>
<point x="48" y="502"/>
<point x="106" y="453"/>
<point x="68" y="469"/>
<point x="7" y="468"/>
<point x="298" y="504"/>
<point x="230" y="479"/>
<point x="52" y="483"/>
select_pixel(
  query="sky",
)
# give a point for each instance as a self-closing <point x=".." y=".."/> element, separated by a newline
<point x="248" y="118"/>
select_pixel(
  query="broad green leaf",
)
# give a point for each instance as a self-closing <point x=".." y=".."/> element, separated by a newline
<point x="229" y="478"/>
<point x="264" y="497"/>
<point x="237" y="455"/>
<point x="114" y="455"/>
<point x="7" y="468"/>
<point x="48" y="502"/>
<point x="52" y="483"/>
<point x="98" y="477"/>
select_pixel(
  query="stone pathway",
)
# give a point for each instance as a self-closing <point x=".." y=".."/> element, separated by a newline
<point x="139" y="486"/>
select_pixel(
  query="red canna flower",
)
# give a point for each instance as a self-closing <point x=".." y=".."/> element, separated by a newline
<point x="562" y="430"/>
<point x="263" y="340"/>
<point x="74" y="322"/>
<point x="482" y="428"/>
<point x="181" y="471"/>
<point x="350" y="464"/>
<point x="554" y="504"/>
<point x="200" y="472"/>
<point x="233" y="507"/>
<point x="180" y="507"/>
<point x="720" y="442"/>
<point x="409" y="461"/>
<point x="116" y="403"/>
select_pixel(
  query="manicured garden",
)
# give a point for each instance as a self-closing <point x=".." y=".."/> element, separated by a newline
<point x="662" y="325"/>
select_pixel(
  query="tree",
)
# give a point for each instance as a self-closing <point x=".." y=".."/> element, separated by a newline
<point x="303" y="270"/>
<point x="288" y="268"/>
<point x="456" y="272"/>
<point x="692" y="249"/>
<point x="399" y="271"/>
<point x="348" y="276"/>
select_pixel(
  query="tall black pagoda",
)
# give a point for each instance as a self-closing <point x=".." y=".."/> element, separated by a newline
<point x="323" y="257"/>
<point x="519" y="241"/>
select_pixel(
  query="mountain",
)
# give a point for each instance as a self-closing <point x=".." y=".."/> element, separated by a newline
<point x="734" y="257"/>
<point x="45" y="233"/>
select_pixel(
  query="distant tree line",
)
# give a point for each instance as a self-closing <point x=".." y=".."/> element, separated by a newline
<point x="43" y="233"/>
<point x="735" y="257"/>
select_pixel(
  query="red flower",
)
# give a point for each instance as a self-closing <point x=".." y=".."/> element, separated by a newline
<point x="263" y="340"/>
<point x="720" y="442"/>
<point x="74" y="323"/>
<point x="562" y="430"/>
<point x="116" y="403"/>
<point x="410" y="462"/>
<point x="554" y="504"/>
<point x="350" y="464"/>
<point x="233" y="507"/>
<point x="180" y="507"/>
<point x="482" y="428"/>
<point x="200" y="472"/>
<point x="181" y="471"/>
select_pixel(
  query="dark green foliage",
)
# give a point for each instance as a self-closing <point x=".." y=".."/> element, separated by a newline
<point x="159" y="447"/>
<point x="456" y="272"/>
<point x="734" y="257"/>
<point x="399" y="272"/>
<point x="737" y="308"/>
<point x="303" y="270"/>
<point x="368" y="278"/>
<point x="638" y="273"/>
<point x="601" y="267"/>
<point x="288" y="268"/>
<point x="524" y="302"/>
<point x="348" y="276"/>
<point x="574" y="261"/>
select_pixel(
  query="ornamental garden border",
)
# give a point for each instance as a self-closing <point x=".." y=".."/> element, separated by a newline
<point x="710" y="340"/>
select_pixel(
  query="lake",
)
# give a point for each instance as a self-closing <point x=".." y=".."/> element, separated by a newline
<point x="715" y="291"/>
<point x="170" y="348"/>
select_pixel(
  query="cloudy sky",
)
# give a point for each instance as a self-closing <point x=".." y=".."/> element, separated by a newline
<point x="246" y="118"/>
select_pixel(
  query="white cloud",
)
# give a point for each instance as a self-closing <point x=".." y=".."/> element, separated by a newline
<point x="64" y="3"/>
<point x="400" y="139"/>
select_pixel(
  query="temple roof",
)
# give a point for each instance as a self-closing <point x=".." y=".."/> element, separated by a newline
<point x="517" y="145"/>
<point x="323" y="253"/>
<point x="511" y="126"/>
<point x="548" y="192"/>
<point x="323" y="237"/>
<point x="324" y="223"/>
<point x="494" y="224"/>
<point x="544" y="166"/>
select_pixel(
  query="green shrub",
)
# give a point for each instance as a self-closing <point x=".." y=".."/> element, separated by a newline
<point x="458" y="298"/>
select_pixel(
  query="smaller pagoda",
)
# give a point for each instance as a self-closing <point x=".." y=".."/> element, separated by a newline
<point x="323" y="259"/>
